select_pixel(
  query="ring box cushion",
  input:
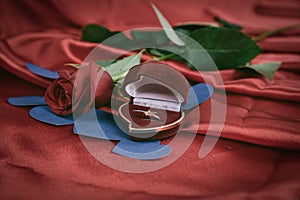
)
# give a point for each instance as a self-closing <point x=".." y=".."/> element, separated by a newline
<point x="157" y="92"/>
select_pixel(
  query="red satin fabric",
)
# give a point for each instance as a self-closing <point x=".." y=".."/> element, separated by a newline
<point x="39" y="160"/>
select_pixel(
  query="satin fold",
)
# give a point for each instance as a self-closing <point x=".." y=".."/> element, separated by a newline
<point x="256" y="157"/>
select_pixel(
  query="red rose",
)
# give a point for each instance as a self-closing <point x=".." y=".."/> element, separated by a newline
<point x="76" y="88"/>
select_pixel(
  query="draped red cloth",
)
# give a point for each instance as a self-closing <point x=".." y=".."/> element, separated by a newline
<point x="260" y="159"/>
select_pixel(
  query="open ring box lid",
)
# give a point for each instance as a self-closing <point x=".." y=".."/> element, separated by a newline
<point x="157" y="92"/>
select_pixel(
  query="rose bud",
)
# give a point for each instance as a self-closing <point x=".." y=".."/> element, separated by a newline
<point x="79" y="88"/>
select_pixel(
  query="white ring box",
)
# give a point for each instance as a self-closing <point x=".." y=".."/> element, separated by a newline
<point x="157" y="92"/>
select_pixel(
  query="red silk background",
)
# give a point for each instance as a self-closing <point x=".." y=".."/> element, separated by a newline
<point x="257" y="157"/>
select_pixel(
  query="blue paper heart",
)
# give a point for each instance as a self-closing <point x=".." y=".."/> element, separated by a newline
<point x="27" y="101"/>
<point x="85" y="125"/>
<point x="41" y="71"/>
<point x="44" y="114"/>
<point x="149" y="150"/>
<point x="197" y="95"/>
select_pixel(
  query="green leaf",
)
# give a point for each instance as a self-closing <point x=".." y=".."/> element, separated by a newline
<point x="266" y="69"/>
<point x="149" y="38"/>
<point x="168" y="28"/>
<point x="156" y="52"/>
<point x="119" y="40"/>
<point x="95" y="33"/>
<point x="228" y="48"/>
<point x="104" y="63"/>
<point x="227" y="24"/>
<point x="168" y="52"/>
<point x="75" y="65"/>
<point x="190" y="27"/>
<point x="119" y="69"/>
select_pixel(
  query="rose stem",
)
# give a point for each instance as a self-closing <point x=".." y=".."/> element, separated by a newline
<point x="276" y="31"/>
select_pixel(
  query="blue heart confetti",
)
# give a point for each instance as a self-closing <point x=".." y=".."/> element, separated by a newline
<point x="84" y="125"/>
<point x="27" y="101"/>
<point x="44" y="114"/>
<point x="149" y="150"/>
<point x="41" y="71"/>
<point x="198" y="94"/>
